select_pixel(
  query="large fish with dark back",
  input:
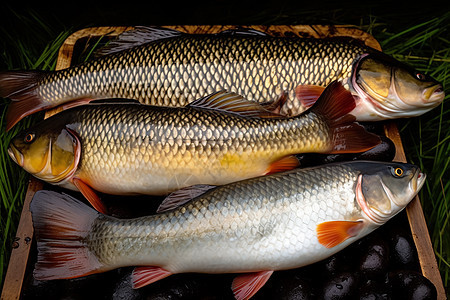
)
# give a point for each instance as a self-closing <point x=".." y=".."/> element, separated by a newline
<point x="257" y="226"/>
<point x="142" y="149"/>
<point x="165" y="67"/>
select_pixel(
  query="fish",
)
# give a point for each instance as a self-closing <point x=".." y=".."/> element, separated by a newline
<point x="165" y="67"/>
<point x="133" y="148"/>
<point x="251" y="228"/>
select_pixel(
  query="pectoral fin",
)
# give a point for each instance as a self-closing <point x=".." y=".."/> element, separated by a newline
<point x="90" y="195"/>
<point x="246" y="285"/>
<point x="331" y="234"/>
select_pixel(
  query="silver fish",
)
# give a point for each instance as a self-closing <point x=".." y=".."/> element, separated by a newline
<point x="257" y="226"/>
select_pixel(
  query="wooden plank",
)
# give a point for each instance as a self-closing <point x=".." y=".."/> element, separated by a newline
<point x="313" y="31"/>
<point x="21" y="247"/>
<point x="417" y="222"/>
<point x="65" y="52"/>
<point x="18" y="260"/>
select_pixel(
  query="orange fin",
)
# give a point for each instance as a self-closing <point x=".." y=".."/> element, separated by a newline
<point x="90" y="195"/>
<point x="246" y="285"/>
<point x="334" y="105"/>
<point x="182" y="196"/>
<point x="285" y="164"/>
<point x="332" y="233"/>
<point x="308" y="94"/>
<point x="61" y="224"/>
<point x="230" y="102"/>
<point x="143" y="276"/>
<point x="21" y="87"/>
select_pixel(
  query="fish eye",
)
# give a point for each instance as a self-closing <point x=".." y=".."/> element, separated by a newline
<point x="420" y="76"/>
<point x="29" y="137"/>
<point x="397" y="172"/>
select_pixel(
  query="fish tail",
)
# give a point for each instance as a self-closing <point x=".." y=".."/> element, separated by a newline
<point x="334" y="105"/>
<point x="61" y="225"/>
<point x="21" y="87"/>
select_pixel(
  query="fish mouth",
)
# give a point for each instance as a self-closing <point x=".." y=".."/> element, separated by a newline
<point x="434" y="94"/>
<point x="15" y="155"/>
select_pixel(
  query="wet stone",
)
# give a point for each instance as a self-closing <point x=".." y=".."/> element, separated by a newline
<point x="341" y="286"/>
<point x="411" y="285"/>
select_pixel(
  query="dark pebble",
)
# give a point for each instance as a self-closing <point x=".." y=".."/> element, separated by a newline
<point x="411" y="285"/>
<point x="403" y="251"/>
<point x="337" y="263"/>
<point x="290" y="286"/>
<point x="374" y="261"/>
<point x="122" y="289"/>
<point x="374" y="290"/>
<point x="341" y="286"/>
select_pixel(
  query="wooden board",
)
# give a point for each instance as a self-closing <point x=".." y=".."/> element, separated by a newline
<point x="417" y="221"/>
<point x="20" y="252"/>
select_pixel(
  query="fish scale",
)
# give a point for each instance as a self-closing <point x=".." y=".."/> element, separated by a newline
<point x="176" y="71"/>
<point x="164" y="139"/>
<point x="251" y="221"/>
<point x="165" y="67"/>
<point x="132" y="148"/>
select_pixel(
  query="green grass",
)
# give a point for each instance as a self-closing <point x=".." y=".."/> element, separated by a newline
<point x="13" y="180"/>
<point x="424" y="44"/>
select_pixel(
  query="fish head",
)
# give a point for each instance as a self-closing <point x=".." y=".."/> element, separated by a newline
<point x="47" y="151"/>
<point x="384" y="189"/>
<point x="394" y="89"/>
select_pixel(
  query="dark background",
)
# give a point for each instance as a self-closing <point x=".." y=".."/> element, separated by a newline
<point x="18" y="21"/>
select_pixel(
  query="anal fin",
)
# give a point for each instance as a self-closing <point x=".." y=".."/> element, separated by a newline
<point x="143" y="276"/>
<point x="246" y="285"/>
<point x="284" y="164"/>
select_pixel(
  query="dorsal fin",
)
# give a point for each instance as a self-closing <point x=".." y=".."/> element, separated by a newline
<point x="182" y="196"/>
<point x="138" y="36"/>
<point x="243" y="32"/>
<point x="233" y="103"/>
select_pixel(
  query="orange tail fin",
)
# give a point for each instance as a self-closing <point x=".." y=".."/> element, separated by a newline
<point x="21" y="87"/>
<point x="61" y="223"/>
<point x="335" y="104"/>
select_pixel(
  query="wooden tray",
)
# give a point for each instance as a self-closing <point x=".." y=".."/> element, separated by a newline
<point x="21" y="247"/>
